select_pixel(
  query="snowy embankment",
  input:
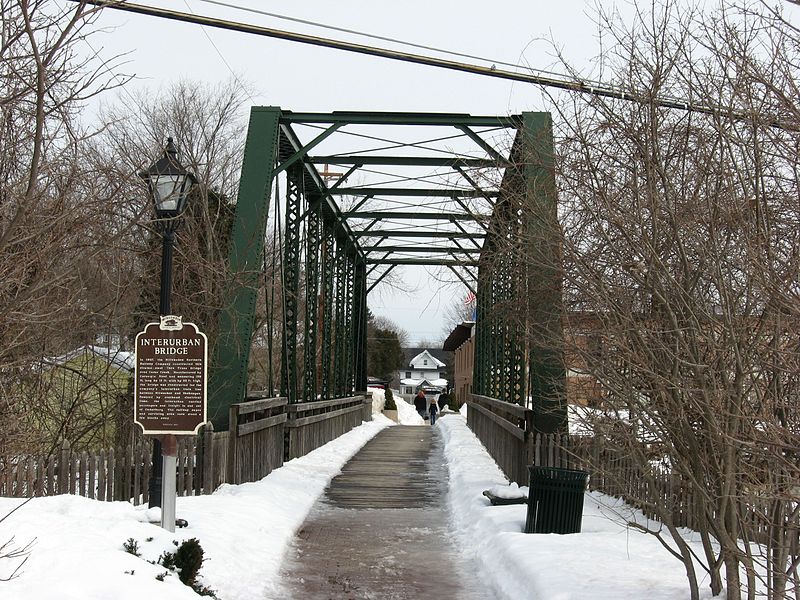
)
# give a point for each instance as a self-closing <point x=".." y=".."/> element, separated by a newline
<point x="606" y="561"/>
<point x="77" y="550"/>
<point x="406" y="413"/>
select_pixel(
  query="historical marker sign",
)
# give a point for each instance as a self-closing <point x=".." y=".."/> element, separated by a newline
<point x="171" y="376"/>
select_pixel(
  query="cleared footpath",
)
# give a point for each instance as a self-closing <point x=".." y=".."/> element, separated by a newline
<point x="381" y="529"/>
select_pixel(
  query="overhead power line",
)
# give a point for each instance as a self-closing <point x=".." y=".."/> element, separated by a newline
<point x="368" y="35"/>
<point x="563" y="84"/>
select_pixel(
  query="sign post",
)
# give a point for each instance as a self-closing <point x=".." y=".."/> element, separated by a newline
<point x="170" y="393"/>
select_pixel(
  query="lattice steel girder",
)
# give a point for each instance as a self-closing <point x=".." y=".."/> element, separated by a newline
<point x="301" y="152"/>
<point x="416" y="192"/>
<point x="311" y="330"/>
<point x="228" y="380"/>
<point x="420" y="250"/>
<point x="483" y="144"/>
<point x="450" y="235"/>
<point x="402" y="118"/>
<point x="414" y="216"/>
<point x="443" y="262"/>
<point x="291" y="282"/>
<point x="330" y="210"/>
<point x="404" y="161"/>
<point x="360" y="329"/>
<point x="328" y="295"/>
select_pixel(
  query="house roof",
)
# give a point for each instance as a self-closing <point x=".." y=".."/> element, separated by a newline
<point x="437" y="353"/>
<point x="458" y="336"/>
<point x="436" y="362"/>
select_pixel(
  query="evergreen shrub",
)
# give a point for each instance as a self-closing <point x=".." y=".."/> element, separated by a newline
<point x="389" y="404"/>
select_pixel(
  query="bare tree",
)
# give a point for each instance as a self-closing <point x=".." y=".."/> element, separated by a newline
<point x="57" y="213"/>
<point x="680" y="246"/>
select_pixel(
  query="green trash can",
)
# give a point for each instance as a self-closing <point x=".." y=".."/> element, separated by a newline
<point x="555" y="500"/>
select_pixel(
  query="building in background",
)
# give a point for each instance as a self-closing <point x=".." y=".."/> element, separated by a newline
<point x="582" y="337"/>
<point x="425" y="369"/>
<point x="462" y="344"/>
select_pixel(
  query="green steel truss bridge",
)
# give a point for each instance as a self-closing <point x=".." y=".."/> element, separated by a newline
<point x="344" y="198"/>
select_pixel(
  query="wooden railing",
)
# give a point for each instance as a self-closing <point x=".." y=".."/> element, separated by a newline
<point x="503" y="428"/>
<point x="313" y="424"/>
<point x="263" y="433"/>
<point x="255" y="439"/>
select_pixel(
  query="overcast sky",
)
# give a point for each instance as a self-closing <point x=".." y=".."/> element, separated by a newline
<point x="305" y="78"/>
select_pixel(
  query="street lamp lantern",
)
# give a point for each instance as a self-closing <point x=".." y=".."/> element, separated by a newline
<point x="169" y="183"/>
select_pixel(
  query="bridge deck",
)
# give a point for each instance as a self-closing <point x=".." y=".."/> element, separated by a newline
<point x="381" y="530"/>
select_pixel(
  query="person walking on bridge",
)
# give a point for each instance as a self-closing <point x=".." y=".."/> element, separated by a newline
<point x="434" y="410"/>
<point x="421" y="404"/>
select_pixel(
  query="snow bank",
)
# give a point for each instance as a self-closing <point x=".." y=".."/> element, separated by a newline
<point x="378" y="399"/>
<point x="406" y="413"/>
<point x="244" y="530"/>
<point x="606" y="561"/>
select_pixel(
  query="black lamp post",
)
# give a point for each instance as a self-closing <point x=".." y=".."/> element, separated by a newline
<point x="169" y="184"/>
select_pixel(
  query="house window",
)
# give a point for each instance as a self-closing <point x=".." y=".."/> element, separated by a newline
<point x="408" y="374"/>
<point x="425" y="361"/>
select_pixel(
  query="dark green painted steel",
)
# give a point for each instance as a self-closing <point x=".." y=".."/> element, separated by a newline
<point x="360" y="331"/>
<point x="413" y="216"/>
<point x="451" y="235"/>
<point x="228" y="381"/>
<point x="302" y="152"/>
<point x="421" y="249"/>
<point x="313" y="235"/>
<point x="291" y="282"/>
<point x="415" y="192"/>
<point x="328" y="300"/>
<point x="325" y="273"/>
<point x="518" y="346"/>
<point x="401" y="118"/>
<point x="546" y="363"/>
<point x="403" y="161"/>
<point x="442" y="262"/>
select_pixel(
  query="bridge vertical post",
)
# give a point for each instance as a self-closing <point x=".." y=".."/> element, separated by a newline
<point x="231" y="354"/>
<point x="547" y="373"/>
<point x="312" y="274"/>
<point x="328" y="295"/>
<point x="291" y="282"/>
<point x="360" y="325"/>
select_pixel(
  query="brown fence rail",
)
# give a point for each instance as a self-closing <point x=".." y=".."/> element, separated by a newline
<point x="313" y="424"/>
<point x="262" y="432"/>
<point x="505" y="430"/>
<point x="502" y="428"/>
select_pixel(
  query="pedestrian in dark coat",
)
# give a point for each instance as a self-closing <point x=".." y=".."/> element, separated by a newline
<point x="434" y="410"/>
<point x="421" y="403"/>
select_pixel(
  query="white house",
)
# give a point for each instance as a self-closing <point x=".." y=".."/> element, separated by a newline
<point x="424" y="371"/>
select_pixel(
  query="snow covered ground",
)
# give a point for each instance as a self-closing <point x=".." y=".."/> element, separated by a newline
<point x="606" y="561"/>
<point x="78" y="543"/>
<point x="78" y="554"/>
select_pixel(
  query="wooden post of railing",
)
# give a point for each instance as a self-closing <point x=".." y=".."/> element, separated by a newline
<point x="367" y="405"/>
<point x="530" y="440"/>
<point x="208" y="458"/>
<point x="63" y="469"/>
<point x="233" y="421"/>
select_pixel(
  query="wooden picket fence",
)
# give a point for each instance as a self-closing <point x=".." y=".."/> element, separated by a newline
<point x="262" y="433"/>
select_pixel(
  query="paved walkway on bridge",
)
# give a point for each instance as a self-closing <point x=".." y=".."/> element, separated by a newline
<point x="381" y="529"/>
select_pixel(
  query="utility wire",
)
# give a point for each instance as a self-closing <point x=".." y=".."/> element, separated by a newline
<point x="374" y="36"/>
<point x="578" y="86"/>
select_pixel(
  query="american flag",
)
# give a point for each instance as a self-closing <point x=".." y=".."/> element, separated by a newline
<point x="470" y="299"/>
